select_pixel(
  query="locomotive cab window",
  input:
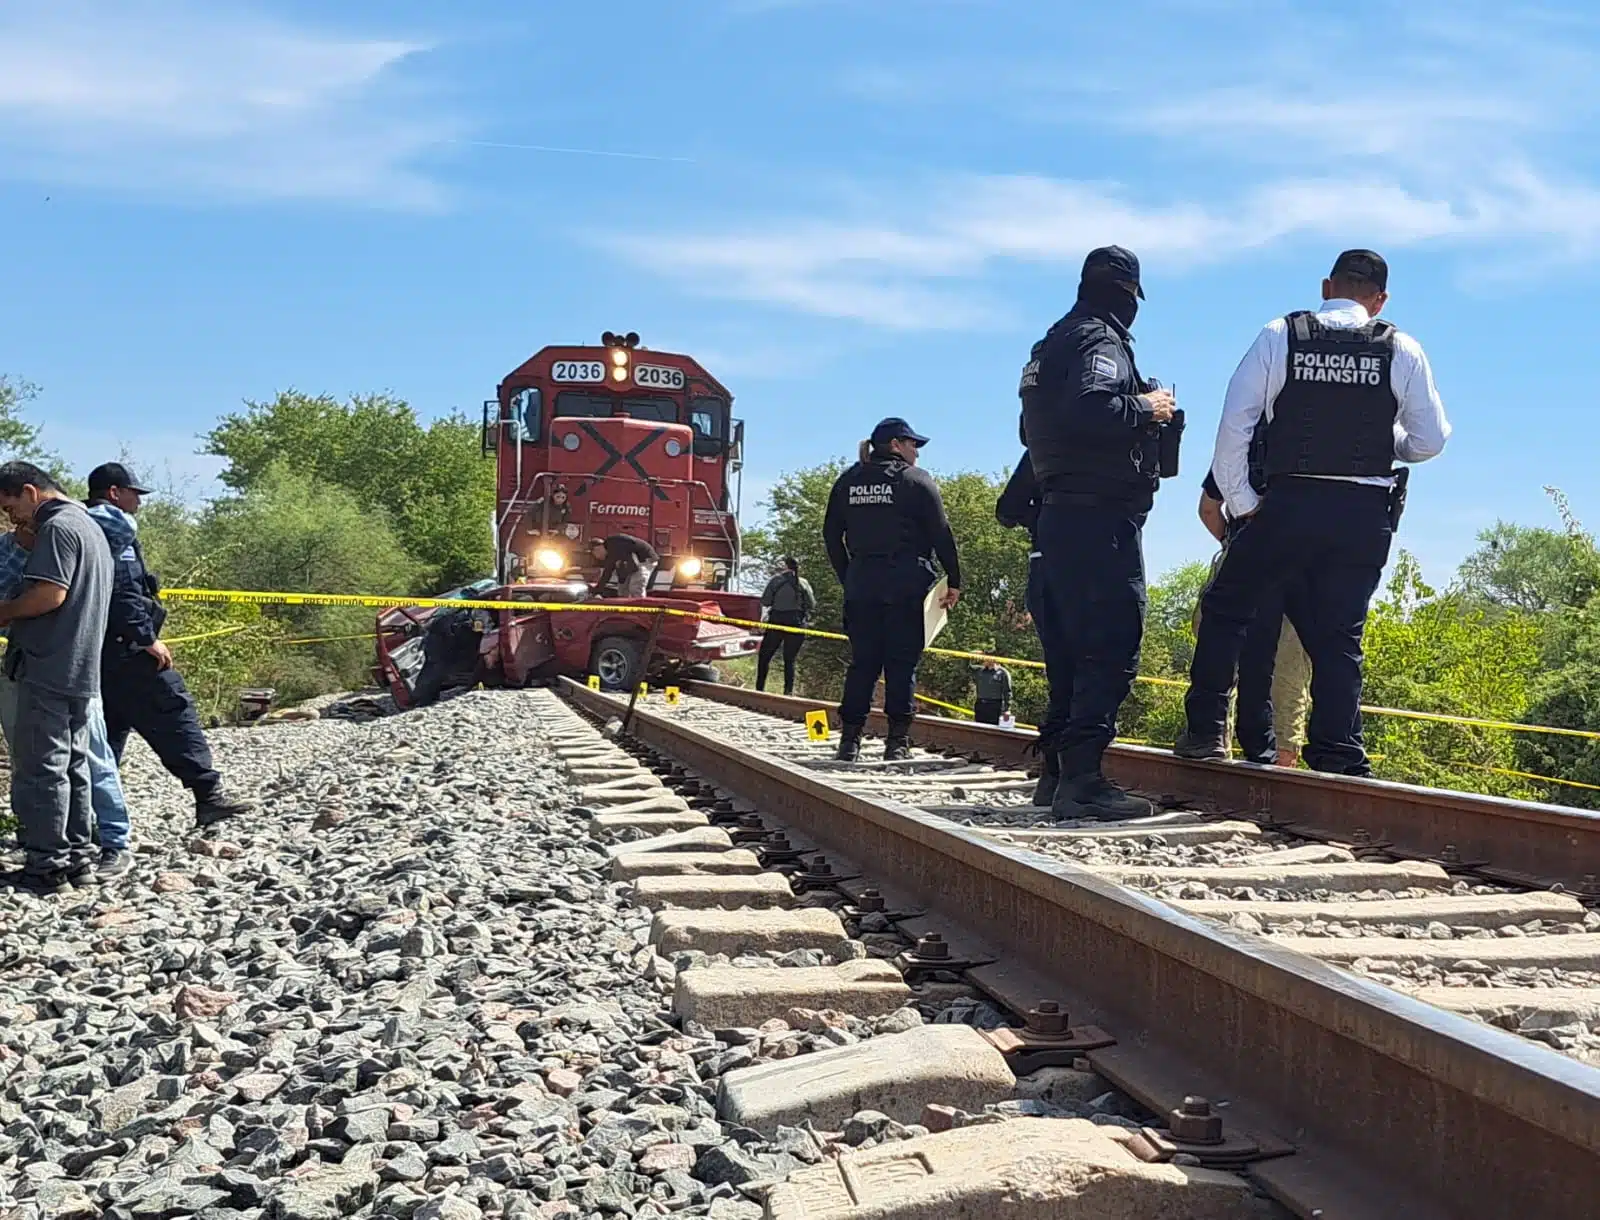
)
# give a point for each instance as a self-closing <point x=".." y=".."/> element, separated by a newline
<point x="709" y="419"/>
<point x="581" y="404"/>
<point x="527" y="410"/>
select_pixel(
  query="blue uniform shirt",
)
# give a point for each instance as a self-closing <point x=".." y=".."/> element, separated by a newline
<point x="136" y="617"/>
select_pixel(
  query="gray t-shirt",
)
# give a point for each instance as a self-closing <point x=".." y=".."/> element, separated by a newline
<point x="59" y="652"/>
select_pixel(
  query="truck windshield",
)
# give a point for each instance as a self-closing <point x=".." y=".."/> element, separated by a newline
<point x="580" y="403"/>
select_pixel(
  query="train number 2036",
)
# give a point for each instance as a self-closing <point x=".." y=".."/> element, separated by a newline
<point x="658" y="377"/>
<point x="578" y="370"/>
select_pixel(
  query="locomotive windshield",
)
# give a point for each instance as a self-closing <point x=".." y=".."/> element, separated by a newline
<point x="587" y="404"/>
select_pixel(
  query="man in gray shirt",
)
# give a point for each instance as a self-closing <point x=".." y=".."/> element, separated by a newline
<point x="994" y="692"/>
<point x="57" y="624"/>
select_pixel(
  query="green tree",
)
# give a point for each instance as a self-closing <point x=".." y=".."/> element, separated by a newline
<point x="430" y="484"/>
<point x="1531" y="569"/>
<point x="293" y="531"/>
<point x="19" y="438"/>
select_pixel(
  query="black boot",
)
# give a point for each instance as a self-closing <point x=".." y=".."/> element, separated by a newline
<point x="897" y="745"/>
<point x="1195" y="746"/>
<point x="1094" y="796"/>
<point x="850" y="743"/>
<point x="1044" y="792"/>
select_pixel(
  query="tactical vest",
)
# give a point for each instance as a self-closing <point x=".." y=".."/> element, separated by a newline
<point x="1335" y="414"/>
<point x="876" y="525"/>
<point x="1067" y="456"/>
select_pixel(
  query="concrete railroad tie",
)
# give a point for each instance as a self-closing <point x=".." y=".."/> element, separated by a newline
<point x="896" y="1075"/>
<point x="1196" y="832"/>
<point x="738" y="861"/>
<point x="736" y="932"/>
<point x="1570" y="952"/>
<point x="1029" y="1169"/>
<point x="1455" y="911"/>
<point x="720" y="997"/>
<point x="1301" y="878"/>
<point x="701" y="838"/>
<point x="643" y="802"/>
<point x="607" y="825"/>
<point x="728" y="893"/>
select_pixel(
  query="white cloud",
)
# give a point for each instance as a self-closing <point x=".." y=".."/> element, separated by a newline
<point x="180" y="97"/>
<point x="1453" y="131"/>
<point x="924" y="268"/>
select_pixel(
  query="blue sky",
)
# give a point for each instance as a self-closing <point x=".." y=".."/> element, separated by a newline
<point x="845" y="209"/>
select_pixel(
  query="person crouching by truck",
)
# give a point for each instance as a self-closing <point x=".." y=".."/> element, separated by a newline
<point x="994" y="691"/>
<point x="628" y="560"/>
<point x="788" y="601"/>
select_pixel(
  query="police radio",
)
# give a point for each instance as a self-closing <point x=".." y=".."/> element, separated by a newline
<point x="1168" y="436"/>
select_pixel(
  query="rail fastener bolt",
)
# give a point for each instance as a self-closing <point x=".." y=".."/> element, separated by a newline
<point x="1049" y="1019"/>
<point x="1195" y="1122"/>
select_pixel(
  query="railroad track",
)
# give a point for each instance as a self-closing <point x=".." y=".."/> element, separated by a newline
<point x="1226" y="956"/>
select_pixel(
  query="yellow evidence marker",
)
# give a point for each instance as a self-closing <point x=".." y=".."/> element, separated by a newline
<point x="644" y="689"/>
<point x="672" y="696"/>
<point x="817" y="725"/>
<point x="594" y="681"/>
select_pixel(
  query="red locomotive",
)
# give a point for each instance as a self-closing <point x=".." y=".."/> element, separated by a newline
<point x="635" y="442"/>
<point x="591" y="442"/>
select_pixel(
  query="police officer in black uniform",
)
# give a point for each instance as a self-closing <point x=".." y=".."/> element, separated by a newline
<point x="1099" y="438"/>
<point x="1342" y="395"/>
<point x="884" y="526"/>
<point x="141" y="690"/>
<point x="1019" y="506"/>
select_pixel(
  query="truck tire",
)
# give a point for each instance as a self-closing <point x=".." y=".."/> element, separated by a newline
<point x="618" y="661"/>
<point x="703" y="673"/>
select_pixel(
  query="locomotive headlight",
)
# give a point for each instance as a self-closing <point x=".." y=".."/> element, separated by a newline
<point x="570" y="442"/>
<point x="548" y="559"/>
<point x="673" y="448"/>
<point x="619" y="373"/>
<point x="689" y="568"/>
<point x="619" y="357"/>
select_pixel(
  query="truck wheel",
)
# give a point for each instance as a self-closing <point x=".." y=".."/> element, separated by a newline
<point x="703" y="673"/>
<point x="618" y="662"/>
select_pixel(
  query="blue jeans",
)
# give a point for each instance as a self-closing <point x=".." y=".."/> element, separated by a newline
<point x="112" y="824"/>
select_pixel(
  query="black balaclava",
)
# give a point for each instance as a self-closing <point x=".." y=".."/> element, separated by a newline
<point x="1107" y="296"/>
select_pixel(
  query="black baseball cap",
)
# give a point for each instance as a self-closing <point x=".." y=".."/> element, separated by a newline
<point x="896" y="429"/>
<point x="114" y="474"/>
<point x="1113" y="262"/>
<point x="1366" y="265"/>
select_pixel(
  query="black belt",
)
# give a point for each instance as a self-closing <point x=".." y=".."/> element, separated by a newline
<point x="1083" y="499"/>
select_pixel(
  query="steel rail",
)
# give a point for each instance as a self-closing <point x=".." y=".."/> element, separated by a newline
<point x="1522" y="842"/>
<point x="1394" y="1107"/>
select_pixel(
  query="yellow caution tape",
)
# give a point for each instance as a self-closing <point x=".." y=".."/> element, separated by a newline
<point x="965" y="711"/>
<point x="392" y="602"/>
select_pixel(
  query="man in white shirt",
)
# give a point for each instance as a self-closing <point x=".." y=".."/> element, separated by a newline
<point x="1342" y="396"/>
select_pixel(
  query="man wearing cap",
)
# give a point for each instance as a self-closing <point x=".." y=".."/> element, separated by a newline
<point x="884" y="527"/>
<point x="1093" y="427"/>
<point x="1342" y="396"/>
<point x="143" y="693"/>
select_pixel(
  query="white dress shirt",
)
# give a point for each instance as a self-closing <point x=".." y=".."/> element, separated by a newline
<point x="1420" y="428"/>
